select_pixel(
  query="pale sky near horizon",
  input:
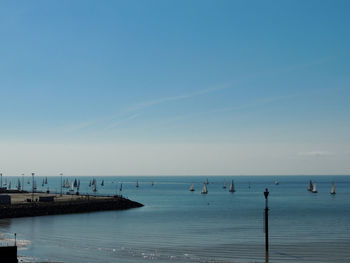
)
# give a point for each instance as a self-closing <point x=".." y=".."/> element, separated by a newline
<point x="174" y="87"/>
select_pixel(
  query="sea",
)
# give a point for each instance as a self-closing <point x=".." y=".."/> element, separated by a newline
<point x="176" y="225"/>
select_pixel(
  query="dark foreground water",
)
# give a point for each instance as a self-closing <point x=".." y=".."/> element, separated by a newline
<point x="177" y="225"/>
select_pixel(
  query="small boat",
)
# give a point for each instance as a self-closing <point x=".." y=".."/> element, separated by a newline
<point x="333" y="189"/>
<point x="18" y="185"/>
<point x="152" y="183"/>
<point x="192" y="188"/>
<point x="72" y="188"/>
<point x="75" y="182"/>
<point x="9" y="185"/>
<point x="43" y="183"/>
<point x="207" y="182"/>
<point x="224" y="186"/>
<point x="204" y="189"/>
<point x="45" y="180"/>
<point x="28" y="182"/>
<point x="137" y="184"/>
<point x="314" y="189"/>
<point x="277" y="182"/>
<point x="103" y="183"/>
<point x="5" y="182"/>
<point x="121" y="187"/>
<point x="90" y="183"/>
<point x="310" y="186"/>
<point x="232" y="187"/>
<point x="94" y="189"/>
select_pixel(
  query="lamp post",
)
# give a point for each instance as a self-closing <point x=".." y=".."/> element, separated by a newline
<point x="61" y="183"/>
<point x="32" y="187"/>
<point x="266" y="194"/>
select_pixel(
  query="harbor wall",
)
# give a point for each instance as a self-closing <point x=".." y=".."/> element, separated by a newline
<point x="66" y="207"/>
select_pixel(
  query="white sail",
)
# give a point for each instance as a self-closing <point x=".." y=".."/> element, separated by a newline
<point x="277" y="182"/>
<point x="94" y="188"/>
<point x="333" y="189"/>
<point x="204" y="189"/>
<point x="314" y="189"/>
<point x="192" y="188"/>
<point x="232" y="187"/>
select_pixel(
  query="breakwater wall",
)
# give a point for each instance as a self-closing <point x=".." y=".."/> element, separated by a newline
<point x="66" y="207"/>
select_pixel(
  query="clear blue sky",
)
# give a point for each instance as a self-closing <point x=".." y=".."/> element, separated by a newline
<point x="212" y="87"/>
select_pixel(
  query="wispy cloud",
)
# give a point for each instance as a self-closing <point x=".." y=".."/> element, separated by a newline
<point x="146" y="104"/>
<point x="316" y="153"/>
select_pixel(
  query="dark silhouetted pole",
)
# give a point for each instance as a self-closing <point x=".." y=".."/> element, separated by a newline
<point x="33" y="187"/>
<point x="61" y="184"/>
<point x="15" y="239"/>
<point x="266" y="194"/>
<point x="1" y="180"/>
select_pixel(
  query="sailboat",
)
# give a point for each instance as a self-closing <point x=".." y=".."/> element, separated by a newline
<point x="43" y="183"/>
<point x="75" y="182"/>
<point x="18" y="185"/>
<point x="310" y="186"/>
<point x="192" y="188"/>
<point x="232" y="187"/>
<point x="28" y="182"/>
<point x="121" y="187"/>
<point x="45" y="180"/>
<point x="277" y="182"/>
<point x="224" y="186"/>
<point x="103" y="183"/>
<point x="94" y="189"/>
<point x="137" y="184"/>
<point x="5" y="182"/>
<point x="90" y="183"/>
<point x="9" y="185"/>
<point x="204" y="189"/>
<point x="207" y="182"/>
<point x="152" y="183"/>
<point x="314" y="189"/>
<point x="72" y="188"/>
<point x="333" y="189"/>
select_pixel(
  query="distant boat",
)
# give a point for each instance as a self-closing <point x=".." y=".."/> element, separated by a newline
<point x="333" y="189"/>
<point x="277" y="182"/>
<point x="103" y="183"/>
<point x="314" y="189"/>
<point x="75" y="183"/>
<point x="204" y="189"/>
<point x="121" y="187"/>
<point x="232" y="187"/>
<point x="152" y="183"/>
<point x="72" y="188"/>
<point x="43" y="183"/>
<point x="94" y="189"/>
<point x="90" y="183"/>
<point x="137" y="184"/>
<point x="310" y="186"/>
<point x="207" y="182"/>
<point x="249" y="185"/>
<point x="28" y="182"/>
<point x="18" y="185"/>
<point x="192" y="188"/>
<point x="224" y="186"/>
<point x="9" y="185"/>
<point x="45" y="180"/>
<point x="5" y="182"/>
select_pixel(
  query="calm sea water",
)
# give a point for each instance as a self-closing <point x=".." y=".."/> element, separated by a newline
<point x="177" y="225"/>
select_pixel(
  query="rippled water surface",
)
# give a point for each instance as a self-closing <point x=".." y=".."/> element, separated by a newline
<point x="177" y="225"/>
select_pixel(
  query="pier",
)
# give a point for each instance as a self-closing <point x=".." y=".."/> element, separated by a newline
<point x="40" y="204"/>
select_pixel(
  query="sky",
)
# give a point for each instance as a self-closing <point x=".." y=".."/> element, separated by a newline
<point x="179" y="87"/>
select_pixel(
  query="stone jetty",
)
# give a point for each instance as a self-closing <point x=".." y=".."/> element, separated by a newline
<point x="40" y="204"/>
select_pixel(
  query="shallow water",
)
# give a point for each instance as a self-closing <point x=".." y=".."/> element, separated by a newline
<point x="177" y="225"/>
